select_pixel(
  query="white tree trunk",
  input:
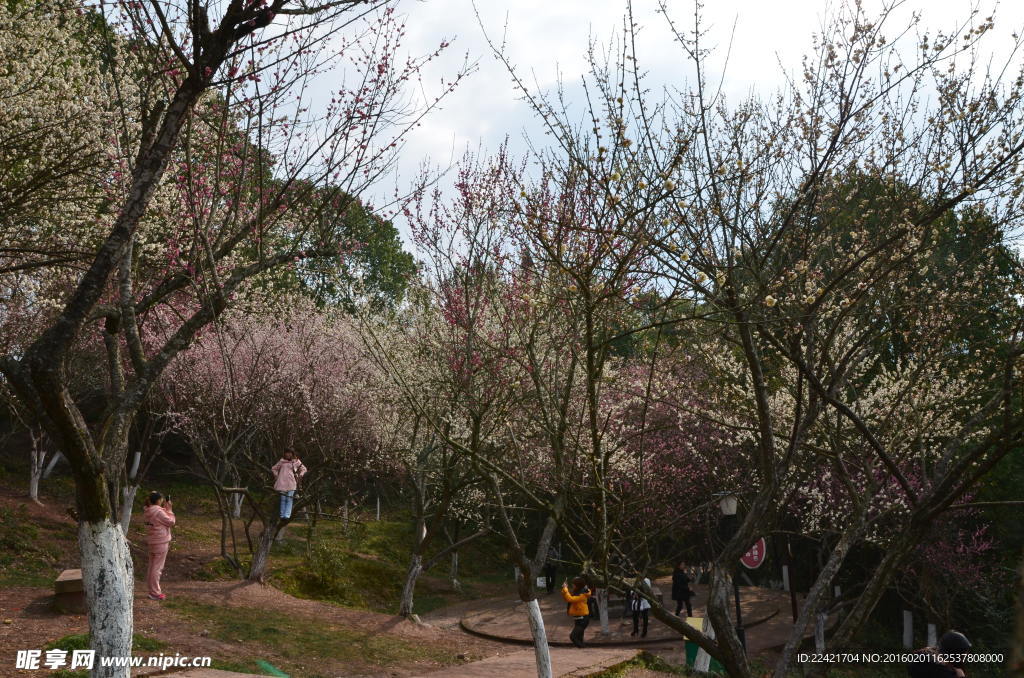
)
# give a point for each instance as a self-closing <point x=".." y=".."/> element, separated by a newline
<point x="409" y="588"/>
<point x="453" y="572"/>
<point x="128" y="493"/>
<point x="53" y="462"/>
<point x="109" y="593"/>
<point x="236" y="504"/>
<point x="541" y="651"/>
<point x="702" y="663"/>
<point x="33" y="485"/>
<point x="135" y="466"/>
<point x="36" y="471"/>
<point x="127" y="503"/>
<point x="602" y="610"/>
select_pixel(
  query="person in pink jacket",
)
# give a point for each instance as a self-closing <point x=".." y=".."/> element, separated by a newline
<point x="159" y="520"/>
<point x="287" y="472"/>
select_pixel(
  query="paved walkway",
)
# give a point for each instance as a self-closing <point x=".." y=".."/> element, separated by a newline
<point x="565" y="663"/>
<point x="766" y="616"/>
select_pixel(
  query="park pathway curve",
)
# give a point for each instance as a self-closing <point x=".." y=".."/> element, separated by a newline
<point x="765" y="616"/>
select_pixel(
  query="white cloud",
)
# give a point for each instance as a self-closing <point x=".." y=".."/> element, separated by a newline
<point x="547" y="40"/>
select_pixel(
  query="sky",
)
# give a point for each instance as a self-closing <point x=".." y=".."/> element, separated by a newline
<point x="547" y="40"/>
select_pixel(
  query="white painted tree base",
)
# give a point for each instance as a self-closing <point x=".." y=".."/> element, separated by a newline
<point x="702" y="663"/>
<point x="127" y="503"/>
<point x="109" y="593"/>
<point x="541" y="651"/>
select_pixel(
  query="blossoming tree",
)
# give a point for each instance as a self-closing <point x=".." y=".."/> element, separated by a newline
<point x="835" y="353"/>
<point x="204" y="167"/>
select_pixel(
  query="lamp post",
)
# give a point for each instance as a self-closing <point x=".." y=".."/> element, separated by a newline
<point x="729" y="525"/>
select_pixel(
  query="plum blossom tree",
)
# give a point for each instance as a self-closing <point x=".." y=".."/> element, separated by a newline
<point x="834" y="354"/>
<point x="462" y="370"/>
<point x="255" y="385"/>
<point x="202" y="168"/>
<point x="445" y="492"/>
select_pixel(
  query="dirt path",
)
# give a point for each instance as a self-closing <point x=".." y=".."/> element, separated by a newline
<point x="251" y="595"/>
<point x="27" y="620"/>
<point x="565" y="663"/>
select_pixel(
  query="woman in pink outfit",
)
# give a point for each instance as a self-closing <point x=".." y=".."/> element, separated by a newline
<point x="159" y="521"/>
<point x="287" y="472"/>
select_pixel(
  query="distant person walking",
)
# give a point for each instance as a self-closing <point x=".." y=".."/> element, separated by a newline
<point x="681" y="592"/>
<point x="550" y="572"/>
<point x="578" y="609"/>
<point x="159" y="520"/>
<point x="641" y="609"/>
<point x="287" y="472"/>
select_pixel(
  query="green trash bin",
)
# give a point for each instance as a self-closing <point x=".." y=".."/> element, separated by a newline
<point x="691" y="659"/>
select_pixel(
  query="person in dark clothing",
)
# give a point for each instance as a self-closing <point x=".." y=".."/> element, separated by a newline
<point x="641" y="609"/>
<point x="549" y="575"/>
<point x="681" y="592"/>
<point x="929" y="666"/>
<point x="577" y="609"/>
<point x="551" y="566"/>
<point x="595" y="609"/>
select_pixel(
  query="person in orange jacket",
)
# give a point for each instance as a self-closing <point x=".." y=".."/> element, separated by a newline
<point x="578" y="608"/>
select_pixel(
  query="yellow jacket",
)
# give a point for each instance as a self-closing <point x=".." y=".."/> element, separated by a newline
<point x="577" y="604"/>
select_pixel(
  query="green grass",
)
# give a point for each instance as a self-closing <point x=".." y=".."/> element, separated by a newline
<point x="301" y="639"/>
<point x="365" y="566"/>
<point x="644" y="660"/>
<point x="26" y="559"/>
<point x="80" y="641"/>
<point x="218" y="570"/>
<point x="336" y="574"/>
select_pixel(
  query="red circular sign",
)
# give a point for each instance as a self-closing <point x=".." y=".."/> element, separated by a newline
<point x="753" y="558"/>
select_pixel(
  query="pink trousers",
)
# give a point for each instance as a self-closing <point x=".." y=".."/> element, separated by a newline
<point x="157" y="558"/>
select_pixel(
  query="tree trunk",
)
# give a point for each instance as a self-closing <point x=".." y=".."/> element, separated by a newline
<point x="411" y="575"/>
<point x="702" y="662"/>
<point x="261" y="556"/>
<point x="1017" y="651"/>
<point x="602" y="610"/>
<point x="540" y="558"/>
<point x="732" y="656"/>
<point x="109" y="592"/>
<point x="127" y="503"/>
<point x="33" y="483"/>
<point x="816" y="595"/>
<point x="541" y="652"/>
<point x="57" y="456"/>
<point x="38" y="461"/>
<point x="453" y="572"/>
<point x="895" y="554"/>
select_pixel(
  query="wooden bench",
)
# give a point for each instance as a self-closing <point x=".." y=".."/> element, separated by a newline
<point x="69" y="593"/>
